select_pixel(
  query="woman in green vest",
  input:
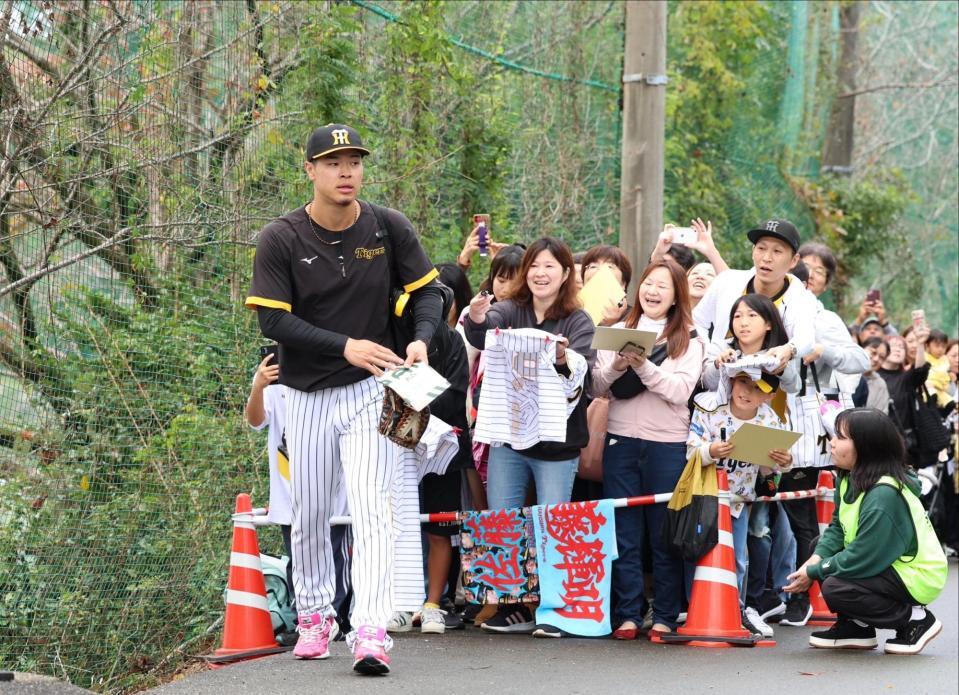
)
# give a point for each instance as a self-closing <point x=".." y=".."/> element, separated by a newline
<point x="879" y="561"/>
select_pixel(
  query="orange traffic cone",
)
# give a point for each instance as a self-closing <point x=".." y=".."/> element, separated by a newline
<point x="714" y="618"/>
<point x="825" y="505"/>
<point x="247" y="627"/>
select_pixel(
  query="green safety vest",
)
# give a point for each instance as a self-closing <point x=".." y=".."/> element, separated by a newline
<point x="923" y="574"/>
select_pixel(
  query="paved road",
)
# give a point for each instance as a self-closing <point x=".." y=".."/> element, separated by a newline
<point x="473" y="662"/>
<point x="32" y="684"/>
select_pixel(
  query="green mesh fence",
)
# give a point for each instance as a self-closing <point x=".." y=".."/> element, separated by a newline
<point x="145" y="143"/>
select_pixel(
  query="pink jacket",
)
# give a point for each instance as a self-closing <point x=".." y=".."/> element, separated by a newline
<point x="660" y="413"/>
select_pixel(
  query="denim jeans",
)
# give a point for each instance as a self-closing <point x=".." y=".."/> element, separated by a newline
<point x="633" y="467"/>
<point x="783" y="551"/>
<point x="509" y="473"/>
<point x="741" y="548"/>
<point x="767" y="540"/>
<point x="759" y="544"/>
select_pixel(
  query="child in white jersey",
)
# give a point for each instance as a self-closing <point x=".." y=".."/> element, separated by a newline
<point x="266" y="407"/>
<point x="713" y="424"/>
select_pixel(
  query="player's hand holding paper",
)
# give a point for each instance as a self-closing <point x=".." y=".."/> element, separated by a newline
<point x="418" y="385"/>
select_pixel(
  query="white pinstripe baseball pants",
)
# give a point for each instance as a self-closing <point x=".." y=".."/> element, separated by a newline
<point x="325" y="430"/>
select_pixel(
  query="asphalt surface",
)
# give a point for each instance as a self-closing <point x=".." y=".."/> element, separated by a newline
<point x="471" y="661"/>
<point x="32" y="684"/>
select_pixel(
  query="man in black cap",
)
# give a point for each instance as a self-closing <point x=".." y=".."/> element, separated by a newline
<point x="322" y="280"/>
<point x="775" y="253"/>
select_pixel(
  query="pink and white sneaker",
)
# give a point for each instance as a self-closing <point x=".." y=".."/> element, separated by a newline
<point x="369" y="645"/>
<point x="316" y="633"/>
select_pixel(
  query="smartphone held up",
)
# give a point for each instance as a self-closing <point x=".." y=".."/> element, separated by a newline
<point x="482" y="221"/>
<point x="269" y="350"/>
<point x="684" y="235"/>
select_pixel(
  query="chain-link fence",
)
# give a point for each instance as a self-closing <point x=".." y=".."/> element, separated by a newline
<point x="145" y="143"/>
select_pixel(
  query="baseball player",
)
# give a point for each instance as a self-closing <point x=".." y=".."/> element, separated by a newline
<point x="321" y="289"/>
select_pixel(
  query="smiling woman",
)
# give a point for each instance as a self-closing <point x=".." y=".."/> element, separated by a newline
<point x="543" y="295"/>
<point x="545" y="280"/>
<point x="645" y="449"/>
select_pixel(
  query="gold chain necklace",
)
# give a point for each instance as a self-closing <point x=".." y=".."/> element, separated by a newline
<point x="339" y="241"/>
<point x="320" y="239"/>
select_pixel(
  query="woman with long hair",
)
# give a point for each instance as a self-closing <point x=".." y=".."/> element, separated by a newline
<point x="879" y="561"/>
<point x="543" y="295"/>
<point x="646" y="441"/>
<point x="756" y="327"/>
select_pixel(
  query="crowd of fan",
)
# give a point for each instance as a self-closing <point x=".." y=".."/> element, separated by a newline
<point x="656" y="411"/>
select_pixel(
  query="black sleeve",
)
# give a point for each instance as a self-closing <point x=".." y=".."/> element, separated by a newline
<point x="579" y="332"/>
<point x="412" y="265"/>
<point x="285" y="328"/>
<point x="500" y="315"/>
<point x="450" y="406"/>
<point x="918" y="376"/>
<point x="427" y="305"/>
<point x="861" y="393"/>
<point x="272" y="285"/>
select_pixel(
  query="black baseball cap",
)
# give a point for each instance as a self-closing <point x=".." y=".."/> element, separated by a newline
<point x="333" y="137"/>
<point x="780" y="229"/>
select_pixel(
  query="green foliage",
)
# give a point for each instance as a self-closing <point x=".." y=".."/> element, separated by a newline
<point x="715" y="51"/>
<point x="140" y="497"/>
<point x="859" y="220"/>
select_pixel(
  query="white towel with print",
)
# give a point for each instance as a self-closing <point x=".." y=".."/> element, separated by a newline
<point x="524" y="399"/>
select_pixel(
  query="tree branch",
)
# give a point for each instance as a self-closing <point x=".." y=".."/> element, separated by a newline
<point x="20" y="45"/>
<point x="901" y="85"/>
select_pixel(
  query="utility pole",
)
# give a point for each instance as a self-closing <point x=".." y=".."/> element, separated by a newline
<point x="644" y="102"/>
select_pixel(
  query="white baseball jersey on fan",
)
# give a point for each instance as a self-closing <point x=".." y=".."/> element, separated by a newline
<point x="432" y="454"/>
<point x="797" y="306"/>
<point x="709" y="420"/>
<point x="274" y="410"/>
<point x="524" y="399"/>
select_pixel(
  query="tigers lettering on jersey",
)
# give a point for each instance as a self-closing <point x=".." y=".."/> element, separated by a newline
<point x="343" y="288"/>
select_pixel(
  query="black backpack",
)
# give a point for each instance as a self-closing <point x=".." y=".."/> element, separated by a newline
<point x="401" y="316"/>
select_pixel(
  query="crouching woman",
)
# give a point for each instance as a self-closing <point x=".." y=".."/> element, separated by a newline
<point x="879" y="561"/>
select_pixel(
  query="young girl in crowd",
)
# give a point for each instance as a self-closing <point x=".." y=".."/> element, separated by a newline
<point x="645" y="446"/>
<point x="757" y="327"/>
<point x="713" y="424"/>
<point x="543" y="295"/>
<point x="502" y="269"/>
<point x="879" y="560"/>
